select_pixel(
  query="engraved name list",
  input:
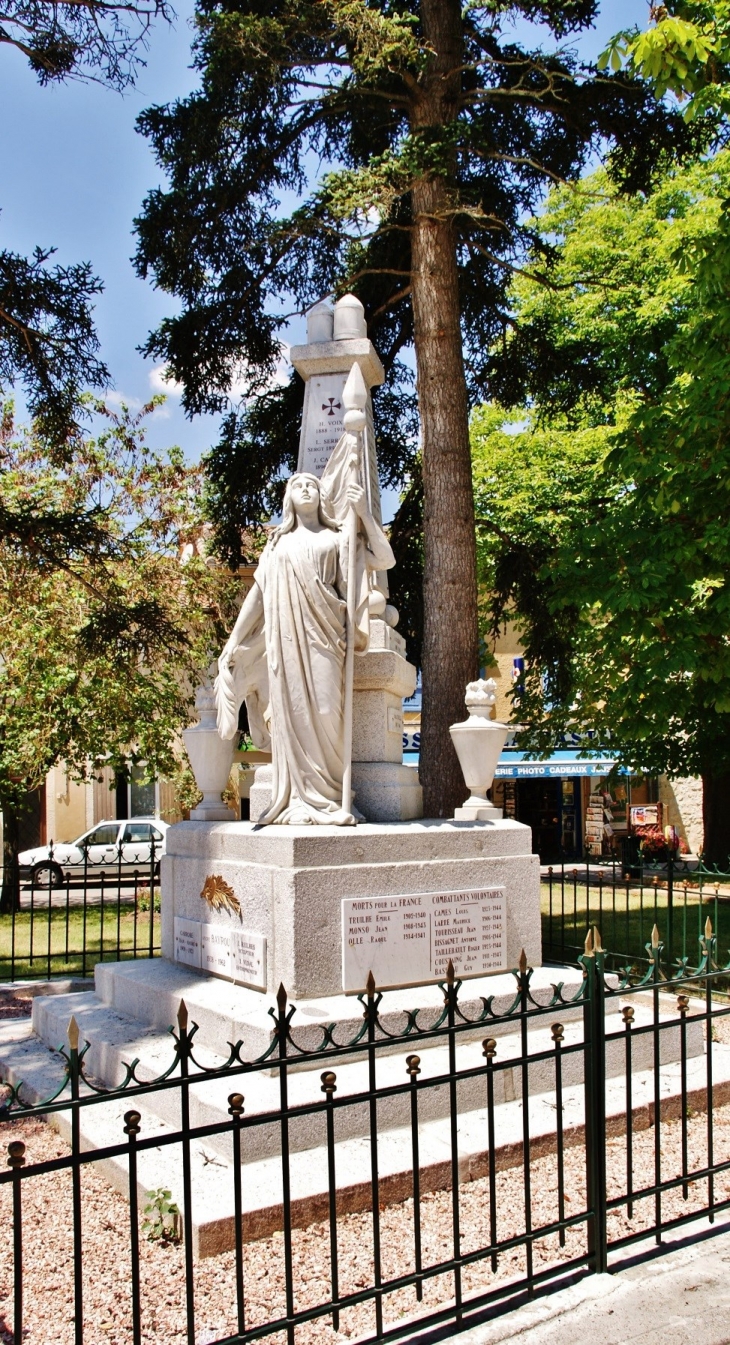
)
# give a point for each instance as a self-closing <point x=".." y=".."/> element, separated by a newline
<point x="410" y="939"/>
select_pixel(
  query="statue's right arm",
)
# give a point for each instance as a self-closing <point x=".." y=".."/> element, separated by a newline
<point x="248" y="618"/>
<point x="226" y="695"/>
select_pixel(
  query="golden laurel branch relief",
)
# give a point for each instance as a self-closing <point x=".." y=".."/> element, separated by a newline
<point x="220" y="895"/>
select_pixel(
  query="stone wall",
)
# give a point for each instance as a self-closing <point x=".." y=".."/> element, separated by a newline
<point x="682" y="800"/>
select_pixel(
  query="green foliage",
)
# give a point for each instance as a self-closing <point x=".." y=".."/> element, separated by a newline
<point x="605" y="520"/>
<point x="161" y="1221"/>
<point x="344" y="84"/>
<point x="406" y="579"/>
<point x="103" y="631"/>
<point x="686" y="52"/>
<point x="142" y="899"/>
<point x="48" y="342"/>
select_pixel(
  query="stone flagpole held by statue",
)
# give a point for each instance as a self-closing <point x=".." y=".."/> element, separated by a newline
<point x="354" y="398"/>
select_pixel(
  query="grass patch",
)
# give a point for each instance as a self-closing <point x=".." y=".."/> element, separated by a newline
<point x="625" y="915"/>
<point x="75" y="941"/>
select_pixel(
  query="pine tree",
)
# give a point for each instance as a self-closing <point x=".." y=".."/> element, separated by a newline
<point x="433" y="132"/>
<point x="48" y="342"/>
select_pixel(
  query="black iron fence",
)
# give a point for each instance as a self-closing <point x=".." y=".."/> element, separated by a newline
<point x="71" y="916"/>
<point x="581" y="1195"/>
<point x="627" y="904"/>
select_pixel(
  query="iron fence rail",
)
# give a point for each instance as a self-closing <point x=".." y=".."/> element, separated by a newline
<point x="625" y="905"/>
<point x="112" y="913"/>
<point x="96" y="914"/>
<point x="591" y="1217"/>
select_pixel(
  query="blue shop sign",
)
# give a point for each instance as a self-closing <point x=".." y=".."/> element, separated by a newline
<point x="514" y="765"/>
<point x="517" y="766"/>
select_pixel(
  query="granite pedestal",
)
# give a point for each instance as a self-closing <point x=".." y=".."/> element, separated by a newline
<point x="290" y="882"/>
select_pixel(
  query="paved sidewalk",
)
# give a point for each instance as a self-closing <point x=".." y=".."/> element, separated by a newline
<point x="682" y="1296"/>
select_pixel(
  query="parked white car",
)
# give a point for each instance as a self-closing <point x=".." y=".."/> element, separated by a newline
<point x="99" y="848"/>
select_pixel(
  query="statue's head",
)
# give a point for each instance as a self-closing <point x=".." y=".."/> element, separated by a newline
<point x="302" y="496"/>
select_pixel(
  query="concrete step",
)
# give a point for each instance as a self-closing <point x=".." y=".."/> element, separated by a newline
<point x="22" y="1056"/>
<point x="150" y="990"/>
<point x="115" y="1041"/>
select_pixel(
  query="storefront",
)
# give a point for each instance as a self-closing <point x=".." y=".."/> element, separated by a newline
<point x="564" y="800"/>
<point x="576" y="806"/>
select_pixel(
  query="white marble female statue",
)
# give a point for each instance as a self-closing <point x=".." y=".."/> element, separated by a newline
<point x="286" y="653"/>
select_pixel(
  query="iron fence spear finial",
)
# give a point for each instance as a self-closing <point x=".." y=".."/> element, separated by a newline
<point x="708" y="928"/>
<point x="281" y="998"/>
<point x="370" y="985"/>
<point x="182" y="1016"/>
<point x="522" y="964"/>
<point x="597" y="945"/>
<point x="655" y="937"/>
<point x="73" y="1034"/>
<point x="588" y="945"/>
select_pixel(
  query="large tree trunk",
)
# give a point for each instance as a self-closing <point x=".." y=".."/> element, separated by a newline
<point x="450" y="634"/>
<point x="10" y="895"/>
<point x="716" y="819"/>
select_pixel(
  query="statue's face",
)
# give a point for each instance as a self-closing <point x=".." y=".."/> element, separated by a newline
<point x="305" y="497"/>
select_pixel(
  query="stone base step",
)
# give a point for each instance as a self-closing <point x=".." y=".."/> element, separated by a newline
<point x="22" y="1056"/>
<point x="115" y="1041"/>
<point x="150" y="991"/>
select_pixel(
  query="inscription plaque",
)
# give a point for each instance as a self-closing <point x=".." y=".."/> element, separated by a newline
<point x="409" y="939"/>
<point x="323" y="425"/>
<point x="187" y="941"/>
<point x="248" y="958"/>
<point x="237" y="954"/>
<point x="216" y="950"/>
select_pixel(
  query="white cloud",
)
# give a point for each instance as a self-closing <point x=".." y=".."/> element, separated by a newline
<point x="114" y="398"/>
<point x="159" y="382"/>
<point x="237" y="390"/>
<point x="277" y="379"/>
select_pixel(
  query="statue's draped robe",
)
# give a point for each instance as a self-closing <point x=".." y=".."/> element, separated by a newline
<point x="301" y="579"/>
<point x="290" y="670"/>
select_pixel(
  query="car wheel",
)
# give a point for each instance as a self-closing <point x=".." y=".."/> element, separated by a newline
<point x="47" y="875"/>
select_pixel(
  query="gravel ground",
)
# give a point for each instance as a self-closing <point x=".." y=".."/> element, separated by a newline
<point x="48" y="1246"/>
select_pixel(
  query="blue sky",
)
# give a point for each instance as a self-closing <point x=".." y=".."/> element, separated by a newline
<point x="73" y="174"/>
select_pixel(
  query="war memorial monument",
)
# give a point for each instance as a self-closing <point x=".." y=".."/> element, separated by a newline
<point x="337" y="881"/>
<point x="336" y="874"/>
<point x="337" y="918"/>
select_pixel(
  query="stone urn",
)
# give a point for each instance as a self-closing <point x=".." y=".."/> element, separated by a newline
<point x="211" y="758"/>
<point x="479" y="741"/>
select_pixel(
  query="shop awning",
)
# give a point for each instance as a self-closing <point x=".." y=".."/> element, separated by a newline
<point x="517" y="766"/>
